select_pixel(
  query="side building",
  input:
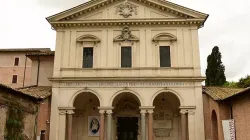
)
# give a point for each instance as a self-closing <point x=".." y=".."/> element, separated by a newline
<point x="15" y="66"/>
<point x="226" y="113"/>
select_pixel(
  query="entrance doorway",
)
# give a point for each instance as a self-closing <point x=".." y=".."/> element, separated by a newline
<point x="127" y="128"/>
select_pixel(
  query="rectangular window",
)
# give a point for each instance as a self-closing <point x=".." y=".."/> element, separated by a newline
<point x="165" y="60"/>
<point x="14" y="79"/>
<point x="16" y="63"/>
<point x="87" y="58"/>
<point x="126" y="57"/>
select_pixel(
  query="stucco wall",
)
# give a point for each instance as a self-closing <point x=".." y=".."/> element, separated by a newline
<point x="145" y="53"/>
<point x="45" y="70"/>
<point x="7" y="69"/>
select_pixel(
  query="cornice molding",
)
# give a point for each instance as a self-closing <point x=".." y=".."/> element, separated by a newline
<point x="127" y="22"/>
<point x="188" y="78"/>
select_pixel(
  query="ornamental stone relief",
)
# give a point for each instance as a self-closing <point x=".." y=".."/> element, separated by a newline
<point x="126" y="35"/>
<point x="126" y="9"/>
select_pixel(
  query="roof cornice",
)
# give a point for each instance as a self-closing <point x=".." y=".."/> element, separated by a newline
<point x="92" y="5"/>
<point x="129" y="22"/>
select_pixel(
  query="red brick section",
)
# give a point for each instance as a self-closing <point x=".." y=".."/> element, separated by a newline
<point x="222" y="111"/>
<point x="240" y="110"/>
<point x="44" y="118"/>
<point x="241" y="114"/>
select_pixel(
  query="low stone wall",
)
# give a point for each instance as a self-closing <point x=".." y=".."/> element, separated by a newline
<point x="9" y="100"/>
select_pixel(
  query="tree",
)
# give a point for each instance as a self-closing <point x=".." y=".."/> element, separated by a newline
<point x="231" y="84"/>
<point x="244" y="82"/>
<point x="215" y="71"/>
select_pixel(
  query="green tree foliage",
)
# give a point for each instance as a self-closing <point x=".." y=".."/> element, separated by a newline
<point x="215" y="71"/>
<point x="14" y="124"/>
<point x="244" y="82"/>
<point x="230" y="84"/>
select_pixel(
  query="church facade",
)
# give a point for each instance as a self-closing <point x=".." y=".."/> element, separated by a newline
<point x="127" y="70"/>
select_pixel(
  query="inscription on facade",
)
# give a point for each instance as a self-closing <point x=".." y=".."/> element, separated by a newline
<point x="126" y="84"/>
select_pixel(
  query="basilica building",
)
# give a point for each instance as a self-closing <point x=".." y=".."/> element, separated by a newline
<point x="127" y="70"/>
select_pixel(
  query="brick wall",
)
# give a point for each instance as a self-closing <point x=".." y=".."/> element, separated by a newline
<point x="241" y="114"/>
<point x="44" y="118"/>
<point x="222" y="112"/>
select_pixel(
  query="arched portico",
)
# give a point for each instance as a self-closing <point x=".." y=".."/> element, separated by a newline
<point x="169" y="120"/>
<point x="72" y="100"/>
<point x="126" y="91"/>
<point x="167" y="91"/>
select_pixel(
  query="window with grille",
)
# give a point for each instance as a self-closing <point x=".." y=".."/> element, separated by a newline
<point x="126" y="57"/>
<point x="87" y="58"/>
<point x="16" y="63"/>
<point x="165" y="60"/>
<point x="14" y="79"/>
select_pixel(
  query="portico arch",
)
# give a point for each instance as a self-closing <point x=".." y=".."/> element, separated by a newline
<point x="72" y="100"/>
<point x="126" y="91"/>
<point x="167" y="91"/>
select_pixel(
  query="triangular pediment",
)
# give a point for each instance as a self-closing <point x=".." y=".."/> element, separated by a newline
<point x="126" y="9"/>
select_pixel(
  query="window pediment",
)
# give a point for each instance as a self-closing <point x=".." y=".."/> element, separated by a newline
<point x="164" y="37"/>
<point x="126" y="36"/>
<point x="88" y="38"/>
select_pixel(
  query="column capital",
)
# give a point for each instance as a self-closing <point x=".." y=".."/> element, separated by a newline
<point x="143" y="111"/>
<point x="151" y="111"/>
<point x="191" y="112"/>
<point x="70" y="112"/>
<point x="184" y="111"/>
<point x="101" y="111"/>
<point x="109" y="112"/>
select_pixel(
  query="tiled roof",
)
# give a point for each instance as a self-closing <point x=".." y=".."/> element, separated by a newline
<point x="12" y="90"/>
<point x="25" y="50"/>
<point x="221" y="93"/>
<point x="39" y="92"/>
<point x="49" y="53"/>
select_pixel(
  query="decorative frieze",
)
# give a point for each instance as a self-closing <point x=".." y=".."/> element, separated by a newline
<point x="126" y="84"/>
<point x="77" y="24"/>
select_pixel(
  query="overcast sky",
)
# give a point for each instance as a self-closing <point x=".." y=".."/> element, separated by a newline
<point x="23" y="25"/>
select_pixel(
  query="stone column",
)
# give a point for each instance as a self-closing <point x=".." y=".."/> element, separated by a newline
<point x="150" y="125"/>
<point x="183" y="124"/>
<point x="109" y="126"/>
<point x="143" y="125"/>
<point x="102" y="124"/>
<point x="62" y="124"/>
<point x="191" y="124"/>
<point x="69" y="124"/>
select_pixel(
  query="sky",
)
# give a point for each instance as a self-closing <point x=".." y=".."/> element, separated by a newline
<point x="23" y="25"/>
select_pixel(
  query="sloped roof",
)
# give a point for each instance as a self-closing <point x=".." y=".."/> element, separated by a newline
<point x="49" y="53"/>
<point x="25" y="50"/>
<point x="221" y="93"/>
<point x="38" y="92"/>
<point x="15" y="91"/>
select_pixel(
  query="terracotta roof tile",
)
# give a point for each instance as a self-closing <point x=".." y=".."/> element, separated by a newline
<point x="49" y="53"/>
<point x="221" y="93"/>
<point x="25" y="50"/>
<point x="39" y="92"/>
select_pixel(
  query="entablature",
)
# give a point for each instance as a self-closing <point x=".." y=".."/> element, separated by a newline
<point x="128" y="22"/>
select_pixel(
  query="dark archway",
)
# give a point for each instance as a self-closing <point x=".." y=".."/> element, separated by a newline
<point x="214" y="121"/>
<point x="86" y="111"/>
<point x="127" y="114"/>
<point x="167" y="115"/>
